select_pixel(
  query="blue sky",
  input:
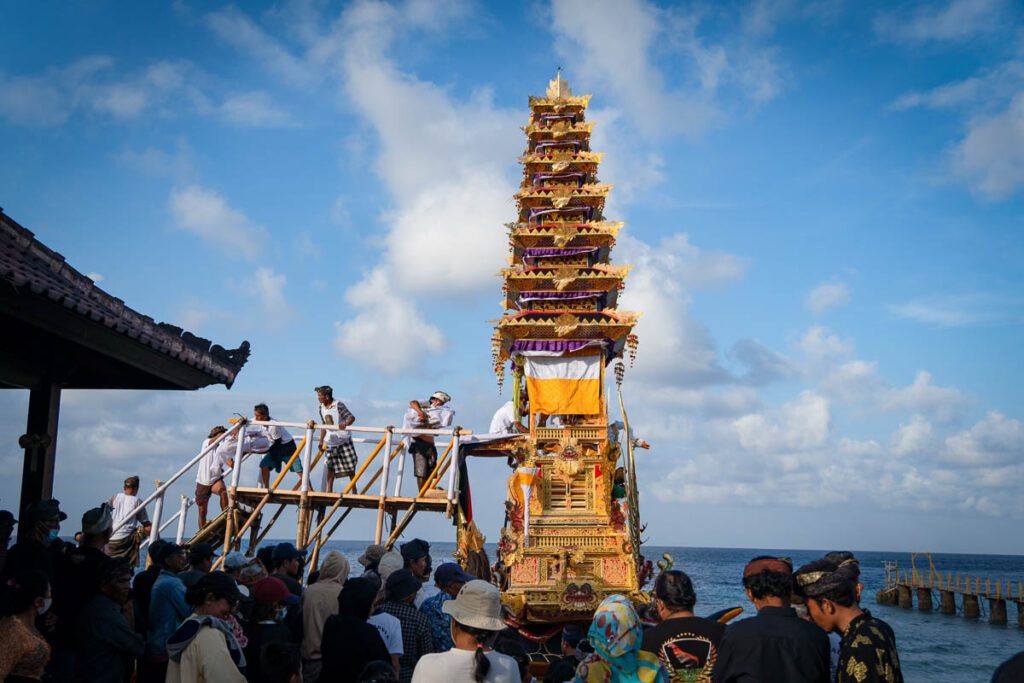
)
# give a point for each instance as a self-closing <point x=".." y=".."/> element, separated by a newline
<point x="823" y="203"/>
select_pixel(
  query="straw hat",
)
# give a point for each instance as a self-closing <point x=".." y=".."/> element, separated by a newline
<point x="478" y="605"/>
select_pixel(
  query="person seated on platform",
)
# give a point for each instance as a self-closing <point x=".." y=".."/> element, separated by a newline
<point x="416" y="558"/>
<point x="349" y="643"/>
<point x="204" y="647"/>
<point x="125" y="540"/>
<point x="774" y="645"/>
<point x="107" y="643"/>
<point x="282" y="446"/>
<point x="401" y="588"/>
<point x="339" y="451"/>
<point x="685" y="644"/>
<point x="504" y="421"/>
<point x="449" y="579"/>
<point x="476" y="620"/>
<point x="320" y="601"/>
<point x="433" y="415"/>
<point x="201" y="557"/>
<point x="868" y="649"/>
<point x="270" y="600"/>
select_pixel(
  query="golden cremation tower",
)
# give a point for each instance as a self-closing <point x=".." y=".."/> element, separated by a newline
<point x="571" y="535"/>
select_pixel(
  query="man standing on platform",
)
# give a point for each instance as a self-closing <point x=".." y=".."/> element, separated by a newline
<point x="434" y="415"/>
<point x="124" y="542"/>
<point x="282" y="446"/>
<point x="340" y="452"/>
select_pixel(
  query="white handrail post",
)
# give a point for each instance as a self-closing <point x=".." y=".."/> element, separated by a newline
<point x="158" y="511"/>
<point x="307" y="459"/>
<point x="181" y="520"/>
<point x="401" y="467"/>
<point x="386" y="466"/>
<point x="236" y="468"/>
<point x="453" y="492"/>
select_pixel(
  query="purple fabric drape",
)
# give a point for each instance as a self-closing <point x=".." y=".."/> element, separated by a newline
<point x="540" y="177"/>
<point x="541" y="146"/>
<point x="556" y="345"/>
<point x="530" y="256"/>
<point x="547" y="296"/>
<point x="586" y="210"/>
<point x="547" y="118"/>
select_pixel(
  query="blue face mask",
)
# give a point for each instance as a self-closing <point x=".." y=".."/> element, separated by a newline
<point x="280" y="614"/>
<point x="51" y="536"/>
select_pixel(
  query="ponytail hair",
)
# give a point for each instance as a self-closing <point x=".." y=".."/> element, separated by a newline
<point x="483" y="637"/>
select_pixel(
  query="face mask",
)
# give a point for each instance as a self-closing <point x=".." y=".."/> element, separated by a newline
<point x="51" y="535"/>
<point x="279" y="615"/>
<point x="46" y="605"/>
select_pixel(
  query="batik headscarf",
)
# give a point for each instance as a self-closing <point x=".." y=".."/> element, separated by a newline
<point x="616" y="635"/>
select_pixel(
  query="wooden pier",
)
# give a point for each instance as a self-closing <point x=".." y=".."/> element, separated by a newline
<point x="903" y="586"/>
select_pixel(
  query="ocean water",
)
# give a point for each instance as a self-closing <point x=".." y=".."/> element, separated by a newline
<point x="933" y="647"/>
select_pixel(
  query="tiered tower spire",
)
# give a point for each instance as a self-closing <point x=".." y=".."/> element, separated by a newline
<point x="567" y="543"/>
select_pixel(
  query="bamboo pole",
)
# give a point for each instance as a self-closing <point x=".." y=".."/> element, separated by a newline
<point x="383" y="491"/>
<point x="434" y="477"/>
<point x="351" y="484"/>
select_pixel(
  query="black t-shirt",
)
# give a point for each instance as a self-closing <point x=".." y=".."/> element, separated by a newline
<point x="347" y="646"/>
<point x="258" y="636"/>
<point x="687" y="646"/>
<point x="775" y="645"/>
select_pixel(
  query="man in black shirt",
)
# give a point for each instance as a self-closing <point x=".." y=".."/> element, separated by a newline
<point x="775" y="645"/>
<point x="685" y="644"/>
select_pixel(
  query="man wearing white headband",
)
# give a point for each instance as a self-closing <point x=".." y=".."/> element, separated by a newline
<point x="434" y="415"/>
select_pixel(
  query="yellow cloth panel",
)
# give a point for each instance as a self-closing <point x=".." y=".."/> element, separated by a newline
<point x="564" y="396"/>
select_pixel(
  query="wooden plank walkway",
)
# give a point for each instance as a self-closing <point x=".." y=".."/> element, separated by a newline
<point x="253" y="495"/>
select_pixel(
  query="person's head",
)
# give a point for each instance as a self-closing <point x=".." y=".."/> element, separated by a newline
<point x="844" y="558"/>
<point x="169" y="556"/>
<point x="7" y="522"/>
<point x="251" y="574"/>
<point x="216" y="595"/>
<point x="571" y="637"/>
<point x="371" y="557"/>
<point x="201" y="557"/>
<point x="28" y="592"/>
<point x="270" y="599"/>
<point x="524" y="403"/>
<point x="615" y="633"/>
<point x="828" y="589"/>
<point x="767" y="577"/>
<point x="115" y="574"/>
<point x="450" y="578"/>
<point x="280" y="662"/>
<point x="217" y="431"/>
<point x="234" y="563"/>
<point x="287" y="560"/>
<point x="514" y="649"/>
<point x="324" y="394"/>
<point x="266" y="557"/>
<point x="673" y="592"/>
<point x="261" y="412"/>
<point x="439" y="398"/>
<point x="389" y="563"/>
<point x="44" y="518"/>
<point x="402" y="586"/>
<point x="356" y="598"/>
<point x="378" y="671"/>
<point x="131" y="485"/>
<point x="416" y="558"/>
<point x="97" y="525"/>
<point x="476" y="618"/>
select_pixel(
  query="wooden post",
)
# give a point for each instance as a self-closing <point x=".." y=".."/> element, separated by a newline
<point x="383" y="489"/>
<point x="304" y="512"/>
<point x="40" y="444"/>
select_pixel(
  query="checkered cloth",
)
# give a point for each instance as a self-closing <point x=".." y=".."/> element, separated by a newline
<point x="416" y="637"/>
<point x="342" y="459"/>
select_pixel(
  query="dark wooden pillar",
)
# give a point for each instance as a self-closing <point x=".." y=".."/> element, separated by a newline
<point x="39" y="442"/>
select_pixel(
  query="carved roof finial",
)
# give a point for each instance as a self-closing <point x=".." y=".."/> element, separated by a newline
<point x="559" y="88"/>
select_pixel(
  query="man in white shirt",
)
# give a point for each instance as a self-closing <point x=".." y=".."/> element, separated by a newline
<point x="282" y="446"/>
<point x="434" y="415"/>
<point x="339" y="451"/>
<point x="124" y="542"/>
<point x="210" y="473"/>
<point x="504" y="421"/>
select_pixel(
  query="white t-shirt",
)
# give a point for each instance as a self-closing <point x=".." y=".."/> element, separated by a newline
<point x="456" y="666"/>
<point x="211" y="467"/>
<point x="504" y="421"/>
<point x="339" y="414"/>
<point x="390" y="631"/>
<point x="125" y="507"/>
<point x="274" y="432"/>
<point x="427" y="590"/>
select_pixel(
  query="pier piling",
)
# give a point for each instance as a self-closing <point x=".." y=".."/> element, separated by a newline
<point x="906" y="599"/>
<point x="1020" y="614"/>
<point x="947" y="602"/>
<point x="924" y="599"/>
<point x="971" y="608"/>
<point x="996" y="611"/>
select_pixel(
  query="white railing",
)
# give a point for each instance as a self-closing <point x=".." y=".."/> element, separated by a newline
<point x="310" y="428"/>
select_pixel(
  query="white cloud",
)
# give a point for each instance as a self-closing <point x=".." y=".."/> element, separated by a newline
<point x="95" y="277"/>
<point x="990" y="157"/>
<point x="254" y="109"/>
<point x="819" y="345"/>
<point x="961" y="310"/>
<point x="994" y="441"/>
<point x="998" y="84"/>
<point x="827" y="295"/>
<point x="798" y="425"/>
<point x="957" y="20"/>
<point x="912" y="437"/>
<point x="236" y="28"/>
<point x="269" y="288"/>
<point x="203" y="212"/>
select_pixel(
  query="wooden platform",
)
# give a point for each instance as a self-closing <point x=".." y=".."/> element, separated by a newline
<point x="252" y="497"/>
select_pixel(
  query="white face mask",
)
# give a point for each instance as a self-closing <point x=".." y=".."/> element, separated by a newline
<point x="46" y="605"/>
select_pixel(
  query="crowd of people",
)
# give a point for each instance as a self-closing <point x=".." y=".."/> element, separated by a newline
<point x="76" y="613"/>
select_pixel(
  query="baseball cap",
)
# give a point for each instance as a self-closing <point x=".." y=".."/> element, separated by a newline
<point x="235" y="560"/>
<point x="97" y="520"/>
<point x="201" y="551"/>
<point x="286" y="551"/>
<point x="402" y="584"/>
<point x="42" y="510"/>
<point x="415" y="549"/>
<point x="7" y="518"/>
<point x="164" y="551"/>
<point x="451" y="572"/>
<point x="221" y="585"/>
<point x="572" y="634"/>
<point x="270" y="590"/>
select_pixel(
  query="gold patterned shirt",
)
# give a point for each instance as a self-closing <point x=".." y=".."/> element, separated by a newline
<point x="868" y="653"/>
